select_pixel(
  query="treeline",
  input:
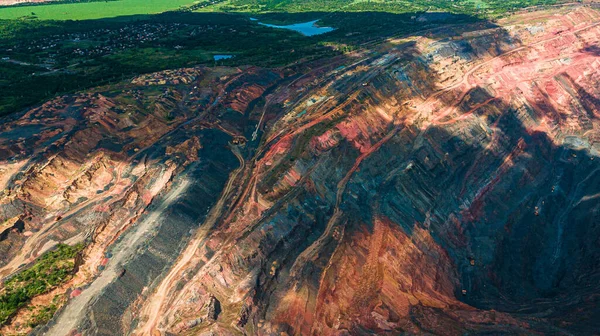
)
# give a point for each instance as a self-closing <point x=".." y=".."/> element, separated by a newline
<point x="199" y="5"/>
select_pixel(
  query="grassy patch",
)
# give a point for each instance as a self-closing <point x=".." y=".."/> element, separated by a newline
<point x="51" y="270"/>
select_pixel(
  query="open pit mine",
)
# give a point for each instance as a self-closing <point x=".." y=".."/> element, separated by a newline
<point x="443" y="183"/>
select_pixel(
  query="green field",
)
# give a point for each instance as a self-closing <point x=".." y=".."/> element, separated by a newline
<point x="92" y="10"/>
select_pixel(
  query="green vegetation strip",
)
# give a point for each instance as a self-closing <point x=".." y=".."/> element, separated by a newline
<point x="485" y="8"/>
<point x="51" y="270"/>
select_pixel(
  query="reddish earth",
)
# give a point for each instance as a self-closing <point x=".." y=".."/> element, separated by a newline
<point x="439" y="184"/>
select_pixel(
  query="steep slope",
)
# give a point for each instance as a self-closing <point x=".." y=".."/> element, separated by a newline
<point x="440" y="183"/>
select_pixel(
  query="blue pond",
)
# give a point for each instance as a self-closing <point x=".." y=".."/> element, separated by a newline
<point x="221" y="57"/>
<point x="306" y="28"/>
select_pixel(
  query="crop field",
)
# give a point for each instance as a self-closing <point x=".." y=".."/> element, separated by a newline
<point x="92" y="10"/>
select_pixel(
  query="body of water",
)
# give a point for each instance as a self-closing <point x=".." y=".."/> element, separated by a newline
<point x="221" y="57"/>
<point x="306" y="28"/>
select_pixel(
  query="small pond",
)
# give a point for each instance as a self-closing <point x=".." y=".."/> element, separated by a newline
<point x="221" y="57"/>
<point x="309" y="28"/>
